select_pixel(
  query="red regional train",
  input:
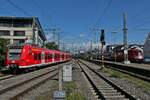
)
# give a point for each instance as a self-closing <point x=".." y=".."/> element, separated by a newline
<point x="29" y="56"/>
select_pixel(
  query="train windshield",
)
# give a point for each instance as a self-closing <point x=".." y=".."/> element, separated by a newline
<point x="14" y="53"/>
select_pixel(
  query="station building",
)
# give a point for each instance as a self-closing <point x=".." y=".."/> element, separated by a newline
<point x="17" y="30"/>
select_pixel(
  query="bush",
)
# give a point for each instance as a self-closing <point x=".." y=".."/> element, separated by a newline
<point x="3" y="47"/>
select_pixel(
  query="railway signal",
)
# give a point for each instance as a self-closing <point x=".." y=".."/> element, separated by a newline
<point x="102" y="40"/>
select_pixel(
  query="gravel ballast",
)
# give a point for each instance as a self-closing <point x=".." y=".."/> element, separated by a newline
<point x="134" y="89"/>
<point x="45" y="91"/>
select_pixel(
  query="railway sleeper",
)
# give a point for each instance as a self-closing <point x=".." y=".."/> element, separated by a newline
<point x="115" y="97"/>
<point x="111" y="94"/>
<point x="119" y="99"/>
<point x="106" y="88"/>
<point x="106" y="91"/>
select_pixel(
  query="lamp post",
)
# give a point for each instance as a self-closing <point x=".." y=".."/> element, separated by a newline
<point x="126" y="61"/>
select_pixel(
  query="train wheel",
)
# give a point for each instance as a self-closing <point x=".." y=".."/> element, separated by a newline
<point x="15" y="71"/>
<point x="26" y="70"/>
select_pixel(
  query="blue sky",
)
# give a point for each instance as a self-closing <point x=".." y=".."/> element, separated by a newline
<point x="74" y="17"/>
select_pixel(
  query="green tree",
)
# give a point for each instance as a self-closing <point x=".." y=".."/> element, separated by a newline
<point x="51" y="45"/>
<point x="3" y="47"/>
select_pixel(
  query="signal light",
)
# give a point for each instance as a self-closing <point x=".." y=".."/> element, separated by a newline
<point x="102" y="37"/>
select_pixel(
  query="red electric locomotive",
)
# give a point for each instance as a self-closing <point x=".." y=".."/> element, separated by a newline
<point x="135" y="54"/>
<point x="29" y="56"/>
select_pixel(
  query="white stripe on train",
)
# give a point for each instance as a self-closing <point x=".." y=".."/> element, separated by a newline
<point x="44" y="64"/>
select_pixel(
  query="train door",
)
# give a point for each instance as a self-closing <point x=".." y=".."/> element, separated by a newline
<point x="60" y="56"/>
<point x="43" y="57"/>
<point x="53" y="57"/>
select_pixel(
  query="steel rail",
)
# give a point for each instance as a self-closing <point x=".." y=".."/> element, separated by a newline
<point x="6" y="77"/>
<point x="135" y="72"/>
<point x="6" y="90"/>
<point x="121" y="90"/>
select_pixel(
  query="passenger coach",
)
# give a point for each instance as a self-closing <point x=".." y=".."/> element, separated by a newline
<point x="30" y="56"/>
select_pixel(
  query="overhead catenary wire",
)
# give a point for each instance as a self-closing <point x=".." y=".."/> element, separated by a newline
<point x="103" y="13"/>
<point x="94" y="29"/>
<point x="137" y="17"/>
<point x="18" y="7"/>
<point x="41" y="9"/>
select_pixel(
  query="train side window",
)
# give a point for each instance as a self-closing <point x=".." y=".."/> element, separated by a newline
<point x="39" y="56"/>
<point x="55" y="56"/>
<point x="35" y="56"/>
<point x="50" y="56"/>
<point x="45" y="56"/>
<point x="60" y="55"/>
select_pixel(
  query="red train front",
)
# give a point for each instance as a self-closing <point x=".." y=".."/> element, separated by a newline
<point x="28" y="56"/>
<point x="135" y="54"/>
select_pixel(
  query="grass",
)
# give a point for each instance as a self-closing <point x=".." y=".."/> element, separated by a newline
<point x="72" y="94"/>
<point x="112" y="73"/>
<point x="143" y="84"/>
<point x="48" y="95"/>
<point x="70" y="89"/>
<point x="76" y="96"/>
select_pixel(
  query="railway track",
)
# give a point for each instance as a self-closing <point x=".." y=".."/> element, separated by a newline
<point x="6" y="77"/>
<point x="12" y="88"/>
<point x="133" y="71"/>
<point x="103" y="87"/>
